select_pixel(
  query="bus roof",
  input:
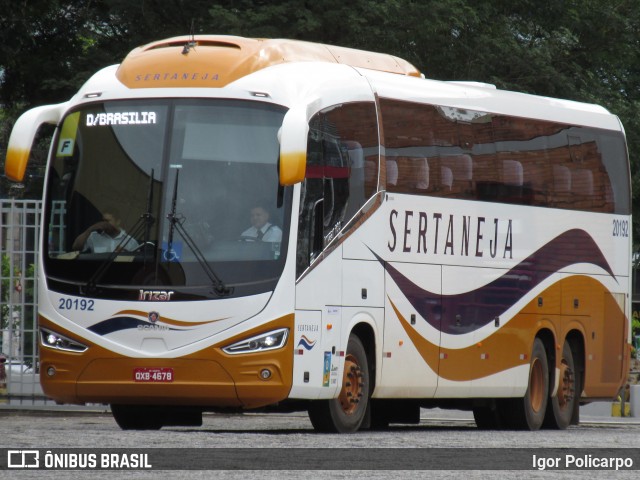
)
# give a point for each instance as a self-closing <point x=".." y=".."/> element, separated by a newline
<point x="217" y="60"/>
<point x="478" y="97"/>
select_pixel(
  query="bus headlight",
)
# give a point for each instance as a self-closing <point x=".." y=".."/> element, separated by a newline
<point x="260" y="343"/>
<point x="60" y="342"/>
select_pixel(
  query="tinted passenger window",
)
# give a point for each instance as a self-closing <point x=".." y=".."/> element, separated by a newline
<point x="445" y="151"/>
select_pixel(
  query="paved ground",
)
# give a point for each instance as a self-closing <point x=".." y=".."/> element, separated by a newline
<point x="593" y="412"/>
<point x="50" y="427"/>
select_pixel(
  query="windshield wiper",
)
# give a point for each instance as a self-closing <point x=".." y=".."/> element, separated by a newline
<point x="175" y="223"/>
<point x="145" y="221"/>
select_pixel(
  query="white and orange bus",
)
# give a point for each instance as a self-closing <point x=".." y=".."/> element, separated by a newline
<point x="427" y="244"/>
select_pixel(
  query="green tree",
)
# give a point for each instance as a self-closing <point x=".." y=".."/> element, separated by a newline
<point x="583" y="50"/>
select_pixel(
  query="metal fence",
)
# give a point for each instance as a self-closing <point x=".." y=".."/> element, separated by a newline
<point x="19" y="233"/>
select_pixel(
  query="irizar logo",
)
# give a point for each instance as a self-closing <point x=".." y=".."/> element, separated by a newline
<point x="155" y="295"/>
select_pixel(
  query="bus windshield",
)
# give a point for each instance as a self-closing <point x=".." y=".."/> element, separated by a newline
<point x="181" y="194"/>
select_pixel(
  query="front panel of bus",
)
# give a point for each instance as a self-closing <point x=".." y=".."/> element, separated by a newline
<point x="151" y="251"/>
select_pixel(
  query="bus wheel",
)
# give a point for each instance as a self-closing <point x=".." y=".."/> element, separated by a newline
<point x="345" y="413"/>
<point x="528" y="413"/>
<point x="136" y="417"/>
<point x="561" y="407"/>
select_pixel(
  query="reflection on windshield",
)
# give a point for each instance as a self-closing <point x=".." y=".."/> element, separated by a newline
<point x="175" y="224"/>
<point x="128" y="204"/>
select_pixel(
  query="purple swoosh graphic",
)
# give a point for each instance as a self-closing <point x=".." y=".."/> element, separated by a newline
<point x="466" y="312"/>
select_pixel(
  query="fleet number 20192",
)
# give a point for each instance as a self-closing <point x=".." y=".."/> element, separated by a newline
<point x="621" y="228"/>
<point x="75" y="304"/>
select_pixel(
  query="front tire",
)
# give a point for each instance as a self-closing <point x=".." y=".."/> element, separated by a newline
<point x="154" y="417"/>
<point x="346" y="413"/>
<point x="136" y="417"/>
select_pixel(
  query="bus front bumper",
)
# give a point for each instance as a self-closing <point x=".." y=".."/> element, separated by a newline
<point x="209" y="377"/>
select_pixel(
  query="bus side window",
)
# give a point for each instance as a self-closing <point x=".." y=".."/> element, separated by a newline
<point x="342" y="151"/>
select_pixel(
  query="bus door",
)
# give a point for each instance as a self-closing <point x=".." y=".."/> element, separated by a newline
<point x="319" y="312"/>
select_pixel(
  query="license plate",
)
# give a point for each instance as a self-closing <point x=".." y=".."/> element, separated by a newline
<point x="154" y="374"/>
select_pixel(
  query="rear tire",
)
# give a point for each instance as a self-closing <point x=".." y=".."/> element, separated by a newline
<point x="561" y="407"/>
<point x="346" y="413"/>
<point x="528" y="413"/>
<point x="154" y="417"/>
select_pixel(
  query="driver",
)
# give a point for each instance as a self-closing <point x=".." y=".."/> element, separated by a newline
<point x="105" y="236"/>
<point x="261" y="229"/>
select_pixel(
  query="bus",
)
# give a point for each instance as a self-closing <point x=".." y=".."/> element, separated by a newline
<point x="421" y="243"/>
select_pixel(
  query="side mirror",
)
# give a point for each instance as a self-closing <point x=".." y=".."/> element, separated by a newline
<point x="23" y="134"/>
<point x="293" y="146"/>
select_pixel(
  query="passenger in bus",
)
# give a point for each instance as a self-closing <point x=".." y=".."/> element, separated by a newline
<point x="261" y="229"/>
<point x="105" y="236"/>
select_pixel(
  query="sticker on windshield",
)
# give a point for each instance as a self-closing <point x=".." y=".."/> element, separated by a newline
<point x="172" y="254"/>
<point x="121" y="118"/>
<point x="68" y="135"/>
<point x="65" y="147"/>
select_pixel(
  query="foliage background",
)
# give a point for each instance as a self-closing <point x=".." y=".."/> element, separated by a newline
<point x="585" y="50"/>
